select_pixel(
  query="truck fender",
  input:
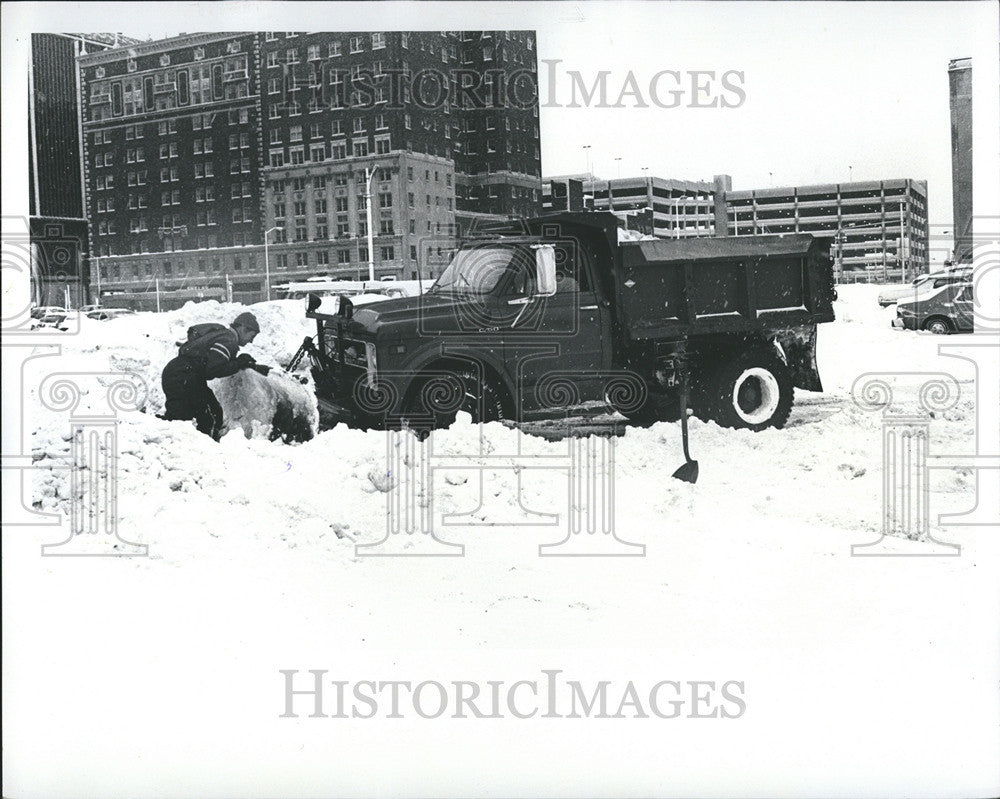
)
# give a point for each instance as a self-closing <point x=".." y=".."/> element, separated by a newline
<point x="798" y="348"/>
<point x="436" y="351"/>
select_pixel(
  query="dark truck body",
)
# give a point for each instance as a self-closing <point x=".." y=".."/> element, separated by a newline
<point x="625" y="319"/>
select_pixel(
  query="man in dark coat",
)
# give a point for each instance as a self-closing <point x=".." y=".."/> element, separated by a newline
<point x="209" y="352"/>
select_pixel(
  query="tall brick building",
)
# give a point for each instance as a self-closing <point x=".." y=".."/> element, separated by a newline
<point x="198" y="147"/>
<point x="57" y="223"/>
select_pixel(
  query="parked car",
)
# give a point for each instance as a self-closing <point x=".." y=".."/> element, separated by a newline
<point x="947" y="309"/>
<point x="102" y="314"/>
<point x="56" y="320"/>
<point x="924" y="283"/>
<point x="41" y="311"/>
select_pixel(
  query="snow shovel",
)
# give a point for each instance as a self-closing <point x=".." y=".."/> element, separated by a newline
<point x="688" y="472"/>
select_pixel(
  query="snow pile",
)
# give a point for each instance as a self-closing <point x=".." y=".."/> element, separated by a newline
<point x="634" y="235"/>
<point x="830" y="448"/>
<point x="270" y="406"/>
<point x="143" y="343"/>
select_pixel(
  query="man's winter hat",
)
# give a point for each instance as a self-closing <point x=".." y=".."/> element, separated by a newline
<point x="247" y="321"/>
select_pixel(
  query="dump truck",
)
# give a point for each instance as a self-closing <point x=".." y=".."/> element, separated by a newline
<point x="551" y="312"/>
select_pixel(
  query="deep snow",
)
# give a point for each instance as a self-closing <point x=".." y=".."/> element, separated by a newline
<point x="747" y="575"/>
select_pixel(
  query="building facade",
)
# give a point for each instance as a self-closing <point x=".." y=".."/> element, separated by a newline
<point x="875" y="228"/>
<point x="57" y="219"/>
<point x="678" y="208"/>
<point x="199" y="147"/>
<point x="960" y="95"/>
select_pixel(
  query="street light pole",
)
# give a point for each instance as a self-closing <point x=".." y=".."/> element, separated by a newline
<point x="586" y="150"/>
<point x="370" y="173"/>
<point x="267" y="262"/>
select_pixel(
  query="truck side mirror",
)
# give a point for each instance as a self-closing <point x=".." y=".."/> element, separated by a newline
<point x="545" y="266"/>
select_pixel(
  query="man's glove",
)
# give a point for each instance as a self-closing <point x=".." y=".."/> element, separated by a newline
<point x="245" y="360"/>
<point x="260" y="368"/>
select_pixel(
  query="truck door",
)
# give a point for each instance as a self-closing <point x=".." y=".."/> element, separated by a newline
<point x="564" y="333"/>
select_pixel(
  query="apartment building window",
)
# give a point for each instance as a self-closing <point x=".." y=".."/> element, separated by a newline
<point x="317" y="152"/>
<point x="382" y="145"/>
<point x="388" y="253"/>
<point x="340" y="205"/>
<point x="277" y="157"/>
<point x="356" y="44"/>
<point x="282" y="261"/>
<point x="343" y="256"/>
<point x="296" y="155"/>
<point x="378" y="41"/>
<point x="312" y="53"/>
<point x="333" y="49"/>
<point x="360" y="148"/>
<point x="279" y="210"/>
<point x="385" y="227"/>
<point x="292" y="56"/>
<point x="272" y="58"/>
<point x="319" y="183"/>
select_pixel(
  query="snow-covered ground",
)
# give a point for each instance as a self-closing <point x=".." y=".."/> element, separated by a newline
<point x="168" y="664"/>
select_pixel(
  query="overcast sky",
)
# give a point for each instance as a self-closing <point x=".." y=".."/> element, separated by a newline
<point x="828" y="86"/>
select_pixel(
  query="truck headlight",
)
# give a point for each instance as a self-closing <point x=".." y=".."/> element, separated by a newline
<point x="370" y="364"/>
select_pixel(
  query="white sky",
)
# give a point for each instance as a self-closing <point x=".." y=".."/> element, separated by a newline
<point x="828" y="85"/>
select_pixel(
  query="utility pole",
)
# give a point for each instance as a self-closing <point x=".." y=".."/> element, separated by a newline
<point x="97" y="261"/>
<point x="157" y="283"/>
<point x="370" y="173"/>
<point x="586" y="150"/>
<point x="267" y="263"/>
<point x="902" y="240"/>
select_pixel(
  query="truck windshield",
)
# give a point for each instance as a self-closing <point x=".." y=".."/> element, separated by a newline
<point x="478" y="270"/>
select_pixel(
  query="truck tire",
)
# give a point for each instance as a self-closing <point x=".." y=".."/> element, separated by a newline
<point x="939" y="325"/>
<point x="754" y="391"/>
<point x="459" y="391"/>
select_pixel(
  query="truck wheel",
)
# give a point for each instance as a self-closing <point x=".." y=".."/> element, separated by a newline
<point x="938" y="325"/>
<point x="753" y="391"/>
<point x="458" y="391"/>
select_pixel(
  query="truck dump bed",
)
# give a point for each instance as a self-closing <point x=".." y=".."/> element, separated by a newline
<point x="669" y="289"/>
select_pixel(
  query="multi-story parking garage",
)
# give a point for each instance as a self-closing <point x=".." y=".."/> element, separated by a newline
<point x="876" y="228"/>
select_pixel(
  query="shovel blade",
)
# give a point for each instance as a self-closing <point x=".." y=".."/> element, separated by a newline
<point x="688" y="472"/>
